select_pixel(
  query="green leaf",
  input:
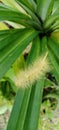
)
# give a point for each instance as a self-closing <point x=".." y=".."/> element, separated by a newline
<point x="55" y="25"/>
<point x="52" y="95"/>
<point x="19" y="109"/>
<point x="56" y="5"/>
<point x="23" y="110"/>
<point x="49" y="22"/>
<point x="54" y="46"/>
<point x="34" y="53"/>
<point x="32" y="117"/>
<point x="48" y="83"/>
<point x="5" y="37"/>
<point x="31" y="122"/>
<point x="30" y="4"/>
<point x="43" y="7"/>
<point x="12" y="4"/>
<point x="54" y="65"/>
<point x="12" y="85"/>
<point x="18" y="114"/>
<point x="50" y="8"/>
<point x="38" y="3"/>
<point x="56" y="75"/>
<point x="19" y="64"/>
<point x="14" y="16"/>
<point x="27" y="7"/>
<point x="44" y="45"/>
<point x="14" y="48"/>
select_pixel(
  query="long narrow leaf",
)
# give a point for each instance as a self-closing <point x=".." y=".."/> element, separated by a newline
<point x="44" y="45"/>
<point x="21" y="98"/>
<point x="54" y="64"/>
<point x="20" y="112"/>
<point x="54" y="46"/>
<point x="24" y="5"/>
<point x="31" y="122"/>
<point x="34" y="53"/>
<point x="12" y="4"/>
<point x="10" y="53"/>
<point x="28" y="4"/>
<point x="43" y="7"/>
<point x="49" y="22"/>
<point x="11" y="15"/>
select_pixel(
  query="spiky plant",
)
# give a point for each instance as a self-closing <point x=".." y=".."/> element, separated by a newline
<point x="35" y="21"/>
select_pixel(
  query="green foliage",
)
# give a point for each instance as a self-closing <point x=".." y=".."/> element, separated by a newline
<point x="12" y="51"/>
<point x="39" y="20"/>
<point x="47" y="120"/>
